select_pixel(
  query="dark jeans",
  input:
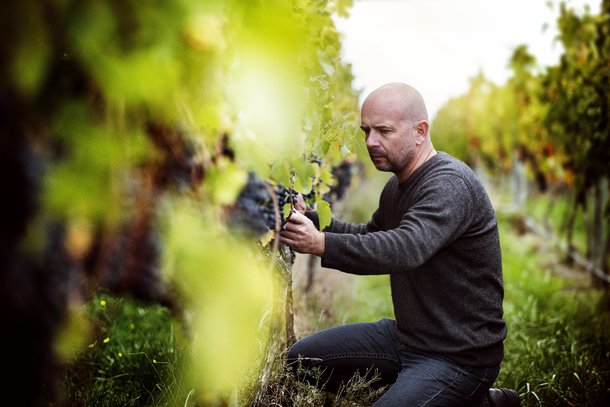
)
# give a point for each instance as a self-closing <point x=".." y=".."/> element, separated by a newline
<point x="415" y="378"/>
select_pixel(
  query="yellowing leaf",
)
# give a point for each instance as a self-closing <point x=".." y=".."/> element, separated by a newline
<point x="286" y="210"/>
<point x="267" y="238"/>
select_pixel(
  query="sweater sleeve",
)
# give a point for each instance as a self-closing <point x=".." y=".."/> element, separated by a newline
<point x="336" y="226"/>
<point x="340" y="227"/>
<point x="440" y="214"/>
<point x="373" y="225"/>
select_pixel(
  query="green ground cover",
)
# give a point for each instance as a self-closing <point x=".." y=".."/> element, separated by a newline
<point x="558" y="349"/>
<point x="133" y="358"/>
<point x="552" y="210"/>
<point x="557" y="352"/>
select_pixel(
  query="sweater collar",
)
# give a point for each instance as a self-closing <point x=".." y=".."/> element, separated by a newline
<point x="423" y="169"/>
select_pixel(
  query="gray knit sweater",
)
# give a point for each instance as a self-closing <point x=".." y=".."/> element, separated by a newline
<point x="436" y="235"/>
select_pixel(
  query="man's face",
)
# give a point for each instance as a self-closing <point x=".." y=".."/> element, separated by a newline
<point x="390" y="137"/>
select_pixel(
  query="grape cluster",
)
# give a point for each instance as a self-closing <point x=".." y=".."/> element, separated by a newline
<point x="283" y="196"/>
<point x="257" y="211"/>
<point x="343" y="175"/>
<point x="254" y="212"/>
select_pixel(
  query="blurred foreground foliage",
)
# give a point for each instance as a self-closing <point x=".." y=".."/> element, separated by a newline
<point x="129" y="129"/>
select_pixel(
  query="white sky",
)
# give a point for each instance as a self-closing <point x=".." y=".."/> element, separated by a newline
<point x="438" y="45"/>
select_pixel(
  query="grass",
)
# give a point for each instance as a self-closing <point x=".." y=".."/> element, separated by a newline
<point x="372" y="300"/>
<point x="133" y="359"/>
<point x="552" y="211"/>
<point x="286" y="390"/>
<point x="558" y="348"/>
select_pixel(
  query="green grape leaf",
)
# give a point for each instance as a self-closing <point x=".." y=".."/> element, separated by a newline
<point x="286" y="210"/>
<point x="324" y="213"/>
<point x="344" y="151"/>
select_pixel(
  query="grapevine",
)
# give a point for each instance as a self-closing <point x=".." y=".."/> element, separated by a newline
<point x="149" y="149"/>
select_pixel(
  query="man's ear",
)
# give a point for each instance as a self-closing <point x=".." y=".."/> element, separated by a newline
<point x="422" y="128"/>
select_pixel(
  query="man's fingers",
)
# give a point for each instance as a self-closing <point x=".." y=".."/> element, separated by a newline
<point x="289" y="234"/>
<point x="291" y="226"/>
<point x="289" y="217"/>
<point x="288" y="241"/>
<point x="297" y="217"/>
<point x="300" y="234"/>
<point x="299" y="203"/>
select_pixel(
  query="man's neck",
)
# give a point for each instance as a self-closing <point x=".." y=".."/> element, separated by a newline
<point x="424" y="155"/>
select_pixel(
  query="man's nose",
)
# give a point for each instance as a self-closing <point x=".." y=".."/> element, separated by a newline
<point x="372" y="140"/>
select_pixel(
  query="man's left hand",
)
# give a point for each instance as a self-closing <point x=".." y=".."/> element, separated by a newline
<point x="301" y="234"/>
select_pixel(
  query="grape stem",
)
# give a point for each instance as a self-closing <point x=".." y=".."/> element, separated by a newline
<point x="278" y="225"/>
<point x="291" y="193"/>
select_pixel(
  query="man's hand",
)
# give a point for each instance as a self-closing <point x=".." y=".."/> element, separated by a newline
<point x="299" y="203"/>
<point x="300" y="234"/>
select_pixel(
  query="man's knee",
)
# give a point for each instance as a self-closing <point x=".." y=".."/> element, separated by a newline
<point x="294" y="352"/>
<point x="299" y="354"/>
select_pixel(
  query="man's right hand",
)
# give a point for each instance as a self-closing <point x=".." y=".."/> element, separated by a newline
<point x="299" y="203"/>
<point x="301" y="234"/>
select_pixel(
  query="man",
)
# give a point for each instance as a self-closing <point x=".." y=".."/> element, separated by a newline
<point x="435" y="234"/>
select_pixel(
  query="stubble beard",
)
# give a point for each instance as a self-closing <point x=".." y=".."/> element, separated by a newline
<point x="398" y="164"/>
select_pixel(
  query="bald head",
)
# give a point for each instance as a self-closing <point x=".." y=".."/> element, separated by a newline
<point x="402" y="99"/>
<point x="394" y="120"/>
